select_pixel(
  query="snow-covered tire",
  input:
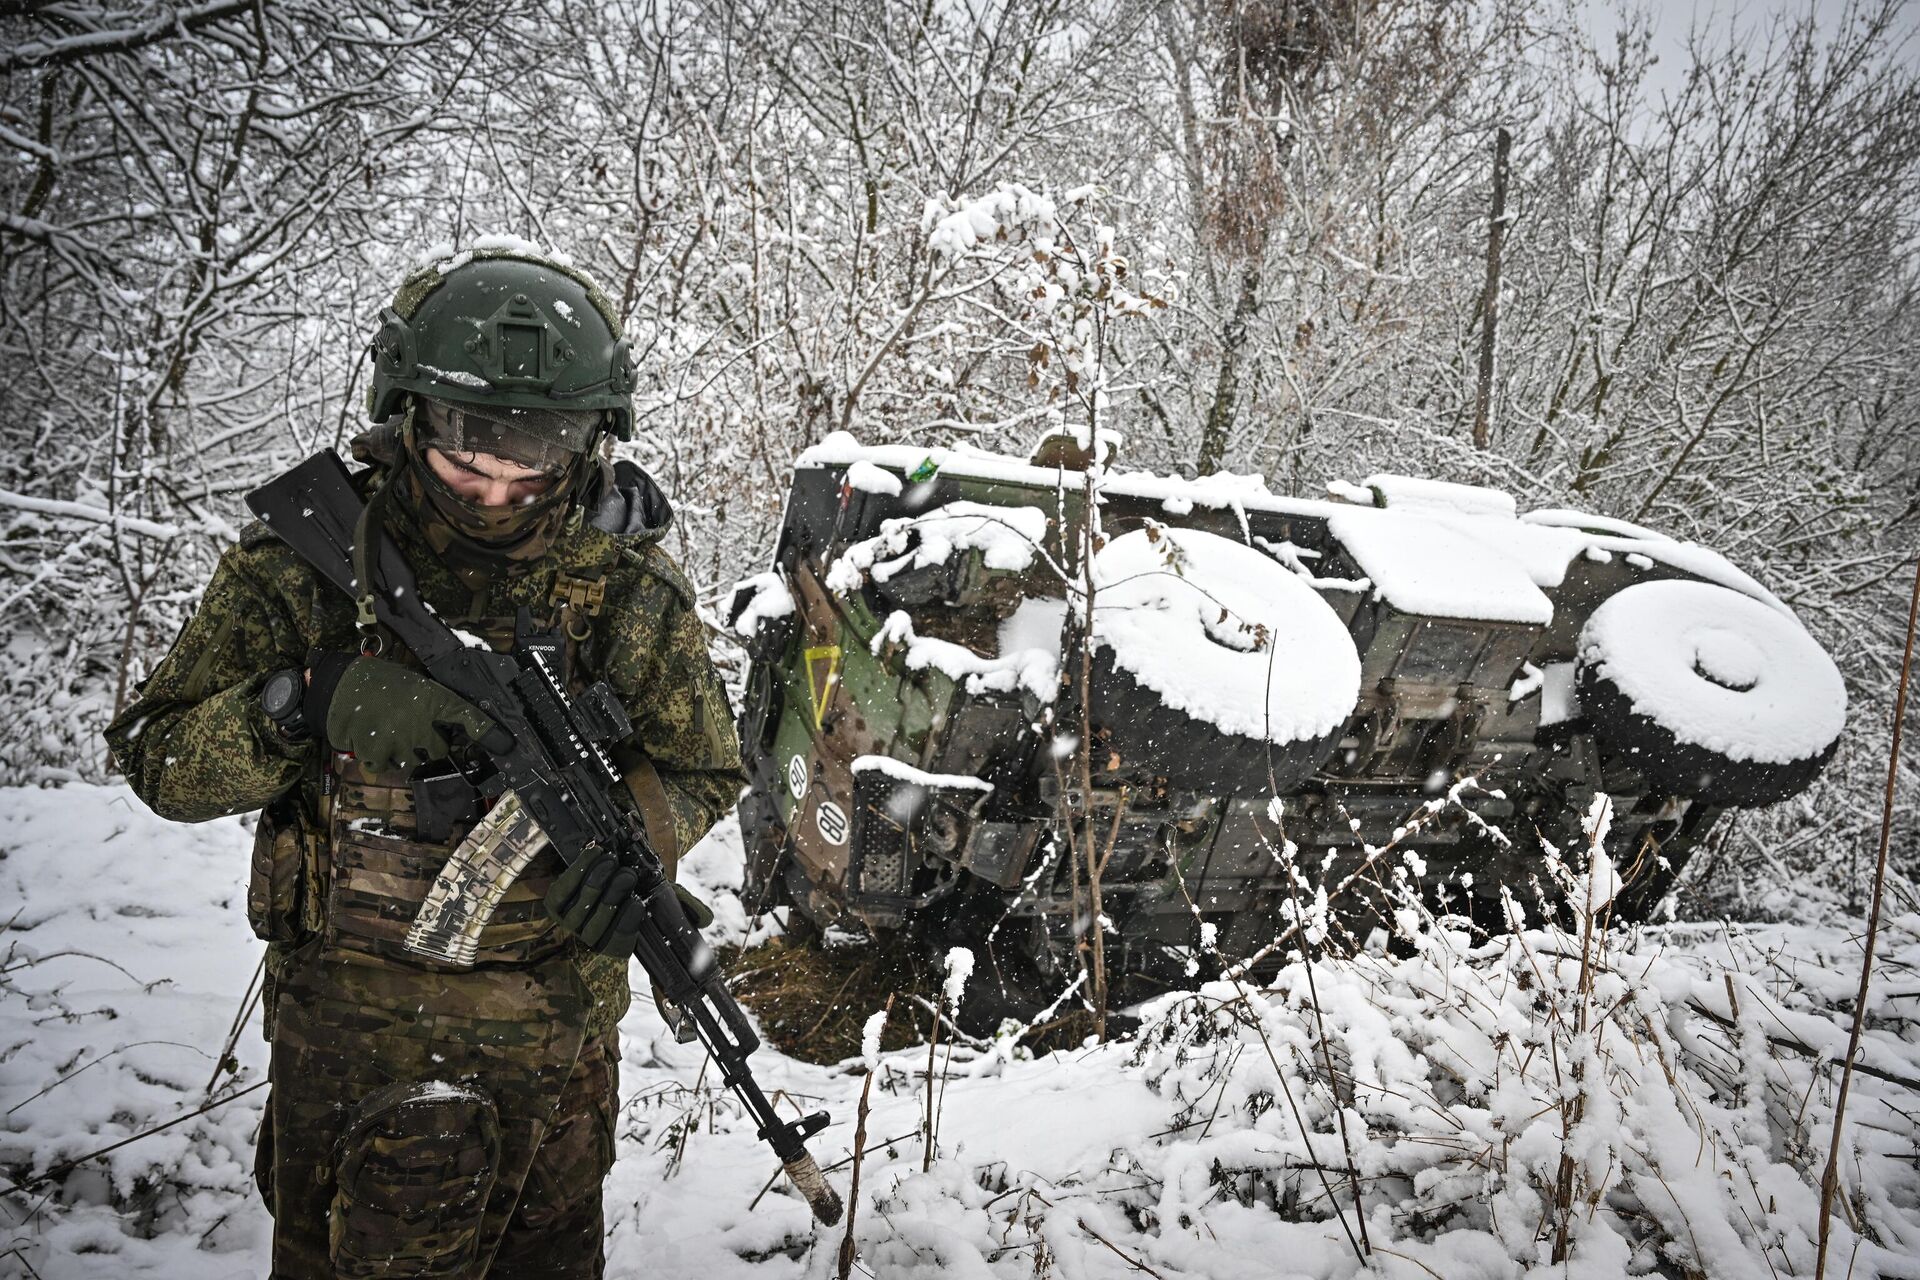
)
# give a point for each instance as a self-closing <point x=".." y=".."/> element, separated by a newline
<point x="1190" y="631"/>
<point x="1709" y="693"/>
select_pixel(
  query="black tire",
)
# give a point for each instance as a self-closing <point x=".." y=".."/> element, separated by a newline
<point x="1682" y="768"/>
<point x="1646" y="695"/>
<point x="764" y="840"/>
<point x="1177" y="694"/>
<point x="1153" y="739"/>
<point x="761" y="831"/>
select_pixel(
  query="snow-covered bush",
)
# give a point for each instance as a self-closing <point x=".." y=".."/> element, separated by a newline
<point x="1561" y="1102"/>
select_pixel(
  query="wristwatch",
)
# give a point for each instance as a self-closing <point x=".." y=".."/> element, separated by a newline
<point x="281" y="699"/>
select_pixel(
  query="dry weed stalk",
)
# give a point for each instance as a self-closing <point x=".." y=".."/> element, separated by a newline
<point x="936" y="1101"/>
<point x="1830" y="1178"/>
<point x="927" y="1128"/>
<point x="847" y="1249"/>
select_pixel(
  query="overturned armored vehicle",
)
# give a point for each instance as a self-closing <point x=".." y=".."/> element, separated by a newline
<point x="1411" y="683"/>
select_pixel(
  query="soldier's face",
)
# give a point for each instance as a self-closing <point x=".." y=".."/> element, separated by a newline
<point x="487" y="479"/>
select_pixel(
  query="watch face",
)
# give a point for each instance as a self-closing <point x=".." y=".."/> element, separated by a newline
<point x="281" y="694"/>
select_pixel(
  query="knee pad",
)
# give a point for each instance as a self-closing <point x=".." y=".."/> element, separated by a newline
<point x="412" y="1174"/>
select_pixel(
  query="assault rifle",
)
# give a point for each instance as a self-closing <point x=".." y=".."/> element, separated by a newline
<point x="552" y="777"/>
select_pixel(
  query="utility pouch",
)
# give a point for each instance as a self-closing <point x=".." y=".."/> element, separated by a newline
<point x="379" y="882"/>
<point x="443" y="803"/>
<point x="412" y="1175"/>
<point x="380" y="872"/>
<point x="274" y="884"/>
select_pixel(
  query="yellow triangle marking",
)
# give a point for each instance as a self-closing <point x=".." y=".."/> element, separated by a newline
<point x="823" y="670"/>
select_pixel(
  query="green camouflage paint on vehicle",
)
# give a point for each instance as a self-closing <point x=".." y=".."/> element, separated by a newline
<point x="1440" y="699"/>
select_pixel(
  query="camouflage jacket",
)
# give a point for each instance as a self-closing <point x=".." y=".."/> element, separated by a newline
<point x="196" y="743"/>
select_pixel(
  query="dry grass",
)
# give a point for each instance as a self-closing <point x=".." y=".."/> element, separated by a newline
<point x="812" y="1000"/>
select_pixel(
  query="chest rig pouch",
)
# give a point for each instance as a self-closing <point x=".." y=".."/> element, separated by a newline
<point x="391" y="833"/>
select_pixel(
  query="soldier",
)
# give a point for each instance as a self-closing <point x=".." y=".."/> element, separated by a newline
<point x="427" y="1120"/>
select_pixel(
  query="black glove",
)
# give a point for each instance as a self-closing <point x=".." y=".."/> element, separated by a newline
<point x="594" y="900"/>
<point x="697" y="911"/>
<point x="388" y="716"/>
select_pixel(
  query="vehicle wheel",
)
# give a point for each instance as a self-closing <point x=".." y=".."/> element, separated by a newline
<point x="1215" y="666"/>
<point x="1709" y="693"/>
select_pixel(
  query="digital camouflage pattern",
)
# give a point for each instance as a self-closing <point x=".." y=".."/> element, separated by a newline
<point x="366" y="1175"/>
<point x="361" y="1187"/>
<point x="196" y="745"/>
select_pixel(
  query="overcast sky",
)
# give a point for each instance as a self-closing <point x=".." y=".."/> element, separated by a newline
<point x="1723" y="20"/>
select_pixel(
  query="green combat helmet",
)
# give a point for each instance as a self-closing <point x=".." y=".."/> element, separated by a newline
<point x="502" y="325"/>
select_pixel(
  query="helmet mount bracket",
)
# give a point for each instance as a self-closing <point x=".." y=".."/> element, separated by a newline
<point x="620" y="369"/>
<point x="505" y="329"/>
<point x="393" y="346"/>
<point x="519" y="347"/>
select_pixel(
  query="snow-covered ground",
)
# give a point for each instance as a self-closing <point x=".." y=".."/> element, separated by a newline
<point x="1669" y="1090"/>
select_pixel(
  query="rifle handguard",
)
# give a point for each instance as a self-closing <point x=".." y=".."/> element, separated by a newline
<point x="804" y="1170"/>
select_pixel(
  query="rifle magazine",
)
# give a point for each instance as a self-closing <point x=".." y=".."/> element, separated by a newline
<point x="470" y="886"/>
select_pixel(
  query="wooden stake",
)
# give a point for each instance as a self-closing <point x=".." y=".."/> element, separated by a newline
<point x="1830" y="1180"/>
<point x="1490" y="299"/>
